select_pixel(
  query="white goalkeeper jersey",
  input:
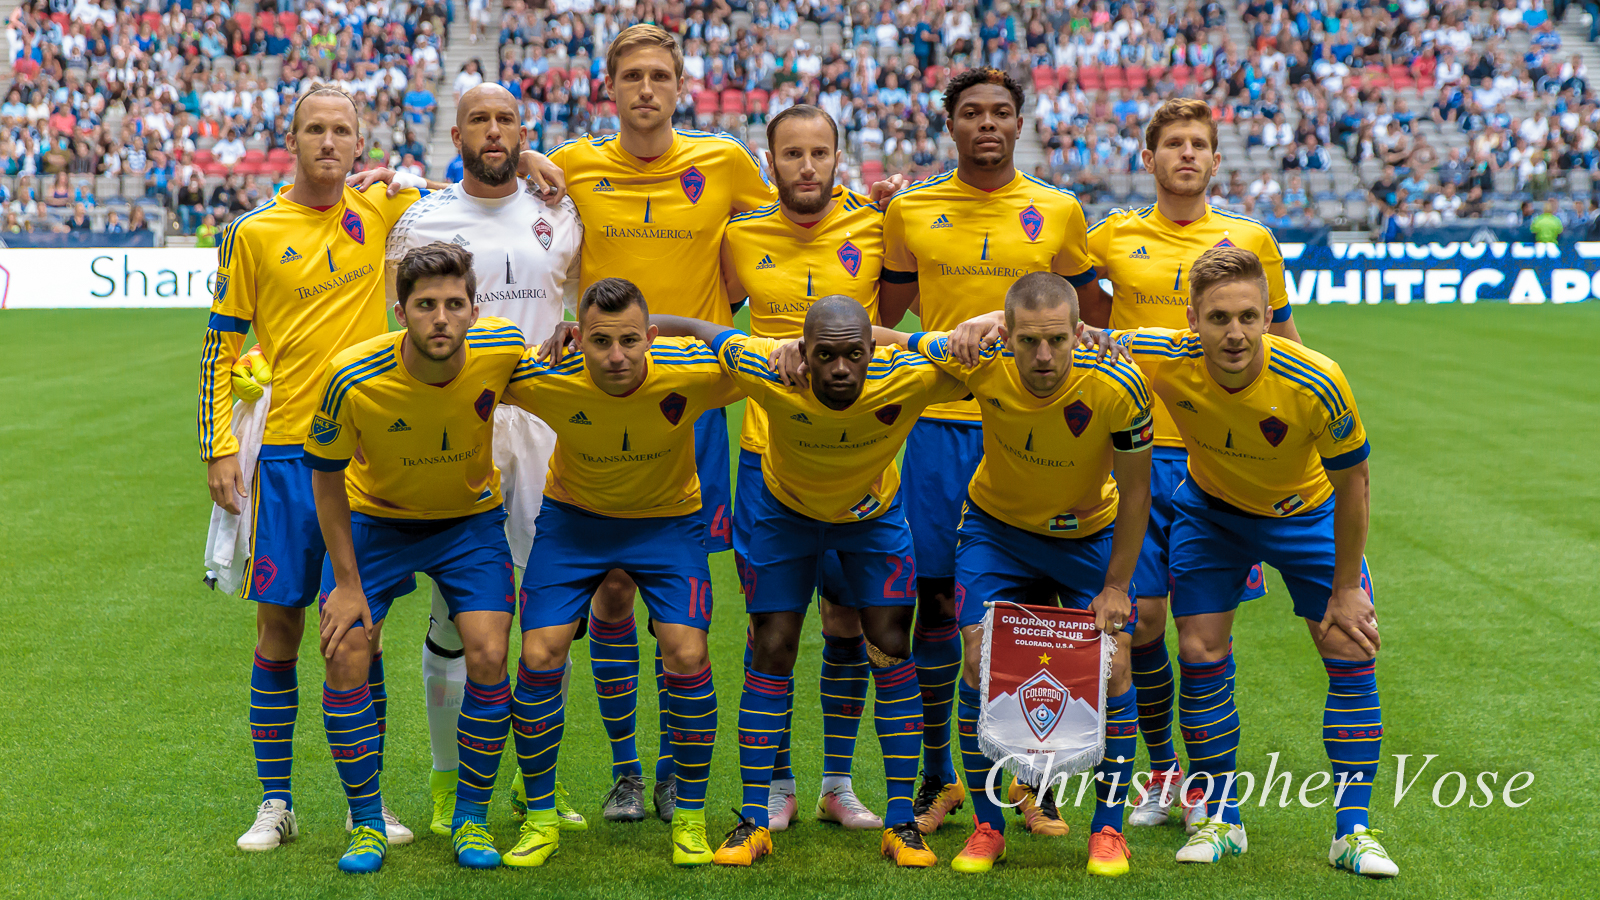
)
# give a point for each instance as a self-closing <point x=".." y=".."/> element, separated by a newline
<point x="524" y="251"/>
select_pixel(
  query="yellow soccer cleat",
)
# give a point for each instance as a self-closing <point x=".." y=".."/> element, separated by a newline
<point x="689" y="844"/>
<point x="985" y="848"/>
<point x="1039" y="818"/>
<point x="540" y="839"/>
<point x="745" y="844"/>
<point x="250" y="374"/>
<point x="934" y="801"/>
<point x="442" y="786"/>
<point x="904" y="844"/>
<point x="1108" y="852"/>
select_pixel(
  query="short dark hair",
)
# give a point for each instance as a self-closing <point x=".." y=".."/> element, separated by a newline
<point x="973" y="77"/>
<point x="1040" y="290"/>
<point x="612" y="295"/>
<point x="800" y="111"/>
<point x="436" y="260"/>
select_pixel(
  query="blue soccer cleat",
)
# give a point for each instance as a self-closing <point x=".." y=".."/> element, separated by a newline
<point x="367" y="849"/>
<point x="475" y="847"/>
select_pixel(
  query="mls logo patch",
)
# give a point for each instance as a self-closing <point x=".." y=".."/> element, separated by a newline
<point x="888" y="414"/>
<point x="262" y="574"/>
<point x="1342" y="425"/>
<point x="351" y="223"/>
<point x="1032" y="222"/>
<point x="673" y="405"/>
<point x="850" y="258"/>
<point x="222" y="285"/>
<point x="543" y="231"/>
<point x="1274" y="430"/>
<point x="694" y="184"/>
<point x="484" y="405"/>
<point x="324" y="430"/>
<point x="1042" y="698"/>
<point x="1078" y="415"/>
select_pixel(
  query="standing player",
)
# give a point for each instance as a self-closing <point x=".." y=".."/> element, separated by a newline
<point x="1277" y="471"/>
<point x="820" y="493"/>
<point x="963" y="238"/>
<point x="525" y="259"/>
<point x="1043" y="506"/>
<point x="1147" y="255"/>
<point x="305" y="270"/>
<point x="817" y="240"/>
<point x="622" y="493"/>
<point x="414" y="411"/>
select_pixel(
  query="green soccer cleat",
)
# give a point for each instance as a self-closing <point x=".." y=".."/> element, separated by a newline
<point x="540" y="839"/>
<point x="689" y="844"/>
<point x="474" y="847"/>
<point x="519" y="797"/>
<point x="1360" y="852"/>
<point x="571" y="819"/>
<point x="442" y="786"/>
<point x="367" y="849"/>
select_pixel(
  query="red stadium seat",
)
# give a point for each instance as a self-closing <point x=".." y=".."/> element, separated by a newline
<point x="290" y="21"/>
<point x="871" y="170"/>
<point x="733" y="101"/>
<point x="1400" y="77"/>
<point x="1044" y="78"/>
<point x="279" y="154"/>
<point x="201" y="157"/>
<point x="265" y="21"/>
<point x="759" y="100"/>
<point x="245" y="20"/>
<point x="705" y="101"/>
<point x="934" y="76"/>
<point x="1116" y="78"/>
<point x="1137" y="76"/>
<point x="214" y="168"/>
<point x="251" y="167"/>
<point x="150" y="18"/>
<point x="1092" y="78"/>
<point x="1181" y="75"/>
<point x="254" y="156"/>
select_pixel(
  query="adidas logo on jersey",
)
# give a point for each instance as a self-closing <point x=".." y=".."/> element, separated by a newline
<point x="942" y="222"/>
<point x="801" y="418"/>
<point x="288" y="256"/>
<point x="1140" y="253"/>
<point x="766" y="263"/>
<point x="580" y="419"/>
<point x="1184" y="404"/>
<point x="603" y="184"/>
<point x="460" y="241"/>
<point x="399" y="425"/>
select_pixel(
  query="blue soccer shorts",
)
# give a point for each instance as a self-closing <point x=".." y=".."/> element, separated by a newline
<point x="467" y="557"/>
<point x="286" y="548"/>
<point x="941" y="457"/>
<point x="996" y="561"/>
<point x="830" y="578"/>
<point x="573" y="549"/>
<point x="786" y="551"/>
<point x="1214" y="546"/>
<point x="716" y="494"/>
<point x="1168" y="468"/>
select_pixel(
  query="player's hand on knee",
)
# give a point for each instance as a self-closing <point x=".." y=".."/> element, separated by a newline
<point x="363" y="180"/>
<point x="344" y="607"/>
<point x="226" y="482"/>
<point x="789" y="364"/>
<point x="556" y="344"/>
<point x="1100" y="340"/>
<point x="544" y="176"/>
<point x="972" y="337"/>
<point x="1112" y="609"/>
<point x="1351" y="611"/>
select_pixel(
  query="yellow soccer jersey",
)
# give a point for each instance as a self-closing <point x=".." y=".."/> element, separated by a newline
<point x="629" y="457"/>
<point x="1047" y="460"/>
<point x="1147" y="256"/>
<point x="310" y="282"/>
<point x="659" y="224"/>
<point x="852" y="476"/>
<point x="414" y="450"/>
<point x="784" y="267"/>
<point x="964" y="247"/>
<point x="1265" y="448"/>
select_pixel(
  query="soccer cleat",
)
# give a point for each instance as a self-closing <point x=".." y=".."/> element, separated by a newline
<point x="366" y="851"/>
<point x="934" y="801"/>
<point x="625" y="801"/>
<point x="745" y="844"/>
<point x="1360" y="852"/>
<point x="841" y="806"/>
<point x="274" y="825"/>
<point x="1161" y="795"/>
<point x="985" y="848"/>
<point x="396" y="833"/>
<point x="689" y="844"/>
<point x="1213" y="841"/>
<point x="665" y="797"/>
<point x="571" y="819"/>
<point x="1041" y="818"/>
<point x="474" y="847"/>
<point x="539" y="840"/>
<point x="1108" y="852"/>
<point x="442" y="785"/>
<point x="1194" y="810"/>
<point x="519" y="797"/>
<point x="781" y="809"/>
<point x="903" y="843"/>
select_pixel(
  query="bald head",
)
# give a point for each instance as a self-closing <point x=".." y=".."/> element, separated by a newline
<point x="489" y="95"/>
<point x="490" y="136"/>
<point x="838" y="314"/>
<point x="838" y="349"/>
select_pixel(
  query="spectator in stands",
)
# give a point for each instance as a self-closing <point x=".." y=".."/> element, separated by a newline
<point x="470" y="76"/>
<point x="80" y="219"/>
<point x="1264" y="188"/>
<point x="205" y="235"/>
<point x="191" y="202"/>
<point x="411" y="147"/>
<point x="137" y="222"/>
<point x="60" y="193"/>
<point x="420" y="104"/>
<point x="1475" y="206"/>
<point x="1547" y="226"/>
<point x="229" y="151"/>
<point x="1448" y="202"/>
<point x="114" y="223"/>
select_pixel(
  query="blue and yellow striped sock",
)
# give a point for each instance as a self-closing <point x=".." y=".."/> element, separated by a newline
<point x="692" y="712"/>
<point x="1210" y="725"/>
<point x="380" y="701"/>
<point x="481" y="734"/>
<point x="844" y="697"/>
<point x="666" y="765"/>
<point x="1152" y="678"/>
<point x="975" y="763"/>
<point x="898" y="713"/>
<point x="274" y="704"/>
<point x="1352" y="733"/>
<point x="782" y="769"/>
<point x="352" y="726"/>
<point x="761" y="718"/>
<point x="1116" y="770"/>
<point x="614" y="659"/>
<point x="538" y="714"/>
<point x="937" y="651"/>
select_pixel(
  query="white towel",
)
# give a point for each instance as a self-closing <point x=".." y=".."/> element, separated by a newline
<point x="228" y="538"/>
<point x="523" y="445"/>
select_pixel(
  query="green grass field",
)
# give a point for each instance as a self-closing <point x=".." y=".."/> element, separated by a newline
<point x="127" y="766"/>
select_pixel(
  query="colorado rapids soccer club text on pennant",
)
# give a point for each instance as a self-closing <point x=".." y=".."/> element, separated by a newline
<point x="1043" y="688"/>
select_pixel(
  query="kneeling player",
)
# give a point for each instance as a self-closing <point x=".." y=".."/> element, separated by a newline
<point x="1277" y="471"/>
<point x="1042" y="506"/>
<point x="622" y="494"/>
<point x="414" y="410"/>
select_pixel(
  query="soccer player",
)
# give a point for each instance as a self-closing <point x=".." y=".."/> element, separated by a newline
<point x="415" y="410"/>
<point x="1057" y="425"/>
<point x="963" y="238"/>
<point x="819" y="493"/>
<point x="305" y="270"/>
<point x="525" y="258"/>
<point x="1277" y="470"/>
<point x="1147" y="255"/>
<point x="622" y="493"/>
<point x="819" y="239"/>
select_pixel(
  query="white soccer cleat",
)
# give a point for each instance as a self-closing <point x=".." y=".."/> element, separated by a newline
<point x="398" y="834"/>
<point x="1360" y="852"/>
<point x="275" y="825"/>
<point x="1194" y="810"/>
<point x="842" y="806"/>
<point x="781" y="808"/>
<point x="1161" y="795"/>
<point x="1212" y="842"/>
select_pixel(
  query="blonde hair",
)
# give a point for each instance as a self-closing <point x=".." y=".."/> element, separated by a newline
<point x="1225" y="265"/>
<point x="323" y="90"/>
<point x="1181" y="110"/>
<point x="643" y="35"/>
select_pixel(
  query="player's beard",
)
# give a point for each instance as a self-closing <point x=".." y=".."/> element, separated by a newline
<point x="472" y="161"/>
<point x="422" y="346"/>
<point x="1167" y="184"/>
<point x="806" y="206"/>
